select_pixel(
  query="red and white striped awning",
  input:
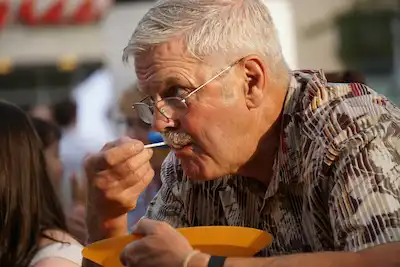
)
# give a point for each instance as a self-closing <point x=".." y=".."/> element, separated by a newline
<point x="4" y="12"/>
<point x="53" y="12"/>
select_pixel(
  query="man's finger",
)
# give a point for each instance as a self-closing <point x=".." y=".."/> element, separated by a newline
<point x="134" y="163"/>
<point x="94" y="163"/>
<point x="136" y="186"/>
<point x="104" y="160"/>
<point x="147" y="227"/>
<point x="115" y="143"/>
<point x="123" y="152"/>
<point x="128" y="252"/>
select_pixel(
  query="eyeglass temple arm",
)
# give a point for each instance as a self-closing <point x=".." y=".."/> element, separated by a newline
<point x="207" y="82"/>
<point x="212" y="79"/>
<point x="141" y="101"/>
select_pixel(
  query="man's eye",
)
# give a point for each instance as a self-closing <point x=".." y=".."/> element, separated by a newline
<point x="176" y="91"/>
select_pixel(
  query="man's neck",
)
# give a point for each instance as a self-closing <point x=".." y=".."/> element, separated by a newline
<point x="260" y="166"/>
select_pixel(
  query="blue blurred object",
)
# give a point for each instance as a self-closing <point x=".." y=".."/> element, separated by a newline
<point x="155" y="137"/>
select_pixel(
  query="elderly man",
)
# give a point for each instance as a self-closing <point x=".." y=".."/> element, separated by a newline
<point x="315" y="164"/>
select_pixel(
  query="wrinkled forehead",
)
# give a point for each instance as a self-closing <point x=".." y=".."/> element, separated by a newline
<point x="167" y="65"/>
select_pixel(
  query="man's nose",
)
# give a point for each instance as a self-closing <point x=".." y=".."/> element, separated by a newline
<point x="160" y="122"/>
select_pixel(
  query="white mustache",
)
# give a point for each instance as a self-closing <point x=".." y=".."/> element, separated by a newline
<point x="177" y="139"/>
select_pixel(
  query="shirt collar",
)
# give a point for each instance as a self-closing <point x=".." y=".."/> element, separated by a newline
<point x="288" y="154"/>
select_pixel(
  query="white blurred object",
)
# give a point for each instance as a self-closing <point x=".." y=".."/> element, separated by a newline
<point x="94" y="98"/>
<point x="283" y="17"/>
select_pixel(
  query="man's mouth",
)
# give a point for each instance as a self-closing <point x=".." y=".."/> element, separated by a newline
<point x="177" y="141"/>
<point x="179" y="146"/>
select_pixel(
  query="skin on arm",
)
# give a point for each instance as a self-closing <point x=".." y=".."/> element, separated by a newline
<point x="59" y="262"/>
<point x="56" y="261"/>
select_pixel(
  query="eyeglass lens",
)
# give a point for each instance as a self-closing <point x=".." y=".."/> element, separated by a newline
<point x="144" y="111"/>
<point x="171" y="108"/>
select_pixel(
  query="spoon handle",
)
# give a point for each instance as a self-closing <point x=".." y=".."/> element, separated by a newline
<point x="155" y="145"/>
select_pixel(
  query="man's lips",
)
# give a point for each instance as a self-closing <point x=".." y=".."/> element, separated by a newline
<point x="181" y="147"/>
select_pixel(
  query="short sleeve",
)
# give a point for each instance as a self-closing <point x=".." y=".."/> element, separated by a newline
<point x="167" y="205"/>
<point x="365" y="198"/>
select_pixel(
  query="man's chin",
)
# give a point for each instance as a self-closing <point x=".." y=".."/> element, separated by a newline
<point x="196" y="164"/>
<point x="196" y="169"/>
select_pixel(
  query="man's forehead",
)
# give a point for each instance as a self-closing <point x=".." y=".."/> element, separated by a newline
<point x="174" y="50"/>
<point x="169" y="74"/>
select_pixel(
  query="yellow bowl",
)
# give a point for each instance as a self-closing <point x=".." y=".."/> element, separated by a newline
<point x="228" y="241"/>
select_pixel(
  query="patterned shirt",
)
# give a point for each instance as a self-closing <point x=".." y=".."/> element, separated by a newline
<point x="335" y="183"/>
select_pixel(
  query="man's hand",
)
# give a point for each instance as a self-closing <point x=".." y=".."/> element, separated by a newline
<point x="116" y="176"/>
<point x="161" y="245"/>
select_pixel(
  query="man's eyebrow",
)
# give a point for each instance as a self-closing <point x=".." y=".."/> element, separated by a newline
<point x="162" y="86"/>
<point x="171" y="81"/>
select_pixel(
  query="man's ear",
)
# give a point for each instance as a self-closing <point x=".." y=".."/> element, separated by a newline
<point x="256" y="80"/>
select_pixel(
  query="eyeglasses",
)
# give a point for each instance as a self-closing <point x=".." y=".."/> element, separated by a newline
<point x="171" y="107"/>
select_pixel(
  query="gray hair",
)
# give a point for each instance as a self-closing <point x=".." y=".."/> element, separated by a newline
<point x="229" y="28"/>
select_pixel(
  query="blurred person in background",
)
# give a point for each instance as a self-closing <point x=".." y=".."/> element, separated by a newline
<point x="50" y="136"/>
<point x="40" y="111"/>
<point x="137" y="129"/>
<point x="43" y="112"/>
<point x="33" y="230"/>
<point x="73" y="147"/>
